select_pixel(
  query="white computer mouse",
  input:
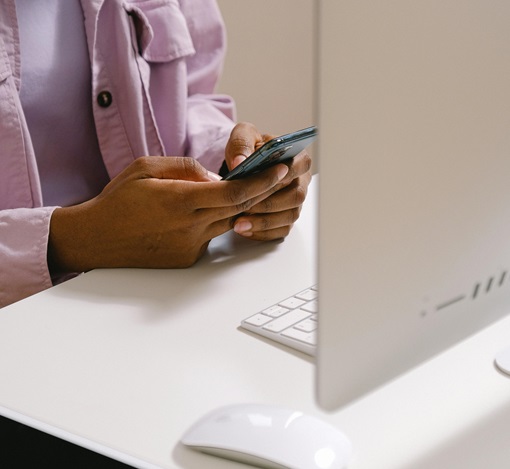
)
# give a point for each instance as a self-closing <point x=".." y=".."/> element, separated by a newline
<point x="269" y="436"/>
<point x="503" y="360"/>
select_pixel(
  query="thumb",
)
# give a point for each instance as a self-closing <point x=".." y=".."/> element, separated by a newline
<point x="186" y="169"/>
<point x="173" y="167"/>
<point x="243" y="141"/>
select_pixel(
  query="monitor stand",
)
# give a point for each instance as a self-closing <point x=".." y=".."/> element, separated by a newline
<point x="502" y="361"/>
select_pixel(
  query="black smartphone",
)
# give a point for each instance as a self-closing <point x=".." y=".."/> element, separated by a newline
<point x="277" y="150"/>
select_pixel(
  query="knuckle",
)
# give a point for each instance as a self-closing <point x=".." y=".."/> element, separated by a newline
<point x="264" y="223"/>
<point x="142" y="164"/>
<point x="286" y="231"/>
<point x="240" y="145"/>
<point x="267" y="205"/>
<point x="299" y="195"/>
<point x="241" y="138"/>
<point x="244" y="206"/>
<point x="307" y="162"/>
<point x="190" y="166"/>
<point x="245" y="126"/>
<point x="294" y="215"/>
<point x="300" y="165"/>
<point x="144" y="160"/>
<point x="236" y="194"/>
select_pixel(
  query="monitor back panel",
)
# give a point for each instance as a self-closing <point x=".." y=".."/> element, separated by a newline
<point x="414" y="163"/>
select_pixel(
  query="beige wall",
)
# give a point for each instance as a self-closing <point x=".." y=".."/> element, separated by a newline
<point x="269" y="68"/>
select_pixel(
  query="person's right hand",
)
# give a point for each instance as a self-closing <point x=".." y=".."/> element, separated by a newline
<point x="161" y="212"/>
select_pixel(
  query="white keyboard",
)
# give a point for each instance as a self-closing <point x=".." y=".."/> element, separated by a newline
<point x="292" y="322"/>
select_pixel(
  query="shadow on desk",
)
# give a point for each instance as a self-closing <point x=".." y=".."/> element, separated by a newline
<point x="156" y="294"/>
<point x="24" y="447"/>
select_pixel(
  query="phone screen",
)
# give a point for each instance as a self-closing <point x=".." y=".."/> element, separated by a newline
<point x="277" y="150"/>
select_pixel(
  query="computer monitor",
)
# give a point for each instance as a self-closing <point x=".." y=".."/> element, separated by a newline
<point x="414" y="164"/>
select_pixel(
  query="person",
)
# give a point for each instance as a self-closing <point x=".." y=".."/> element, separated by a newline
<point x="112" y="138"/>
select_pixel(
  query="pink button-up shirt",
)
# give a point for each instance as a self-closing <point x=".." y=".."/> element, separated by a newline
<point x="174" y="49"/>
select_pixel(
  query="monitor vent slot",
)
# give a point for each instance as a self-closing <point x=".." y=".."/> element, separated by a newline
<point x="449" y="302"/>
<point x="479" y="289"/>
<point x="502" y="278"/>
<point x="489" y="285"/>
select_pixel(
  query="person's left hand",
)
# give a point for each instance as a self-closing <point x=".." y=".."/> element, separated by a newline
<point x="273" y="217"/>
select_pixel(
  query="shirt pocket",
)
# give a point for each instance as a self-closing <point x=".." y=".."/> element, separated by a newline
<point x="160" y="30"/>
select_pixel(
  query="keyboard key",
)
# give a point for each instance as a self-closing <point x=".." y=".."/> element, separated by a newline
<point x="292" y="303"/>
<point x="275" y="311"/>
<point x="306" y="337"/>
<point x="258" y="319"/>
<point x="292" y="322"/>
<point x="288" y="320"/>
<point x="308" y="295"/>
<point x="306" y="326"/>
<point x="312" y="307"/>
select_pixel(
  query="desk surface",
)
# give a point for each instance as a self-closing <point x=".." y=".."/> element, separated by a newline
<point x="124" y="361"/>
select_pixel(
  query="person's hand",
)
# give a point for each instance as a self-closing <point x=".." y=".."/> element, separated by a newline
<point x="159" y="212"/>
<point x="273" y="217"/>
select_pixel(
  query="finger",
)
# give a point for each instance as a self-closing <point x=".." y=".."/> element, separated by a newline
<point x="211" y="214"/>
<point x="266" y="138"/>
<point x="219" y="227"/>
<point x="174" y="167"/>
<point x="243" y="141"/>
<point x="300" y="165"/>
<point x="238" y="195"/>
<point x="270" y="235"/>
<point x="277" y="199"/>
<point x="287" y="198"/>
<point x="241" y="157"/>
<point x="247" y="225"/>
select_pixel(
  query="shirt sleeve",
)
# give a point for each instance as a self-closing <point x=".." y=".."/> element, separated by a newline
<point x="23" y="253"/>
<point x="210" y="116"/>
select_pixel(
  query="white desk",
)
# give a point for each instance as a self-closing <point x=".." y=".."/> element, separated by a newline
<point x="124" y="361"/>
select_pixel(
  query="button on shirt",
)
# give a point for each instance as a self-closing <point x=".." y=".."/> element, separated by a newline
<point x="104" y="99"/>
<point x="163" y="58"/>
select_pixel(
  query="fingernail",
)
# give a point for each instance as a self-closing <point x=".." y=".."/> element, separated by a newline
<point x="213" y="176"/>
<point x="282" y="171"/>
<point x="238" y="160"/>
<point x="243" y="227"/>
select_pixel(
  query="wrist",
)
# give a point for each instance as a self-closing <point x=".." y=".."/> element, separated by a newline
<point x="65" y="255"/>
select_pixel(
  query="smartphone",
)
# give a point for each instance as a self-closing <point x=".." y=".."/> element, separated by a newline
<point x="277" y="150"/>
